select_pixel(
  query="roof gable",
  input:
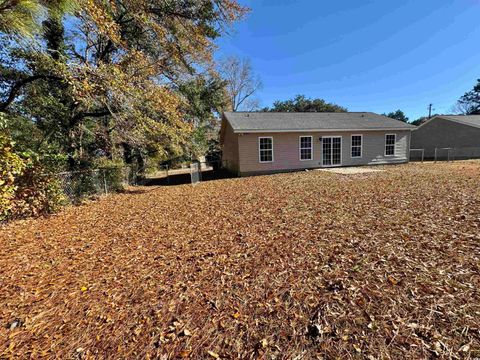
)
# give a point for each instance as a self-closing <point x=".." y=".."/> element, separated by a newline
<point x="470" y="120"/>
<point x="298" y="122"/>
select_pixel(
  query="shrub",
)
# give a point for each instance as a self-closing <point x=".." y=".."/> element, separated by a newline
<point x="38" y="190"/>
<point x="11" y="165"/>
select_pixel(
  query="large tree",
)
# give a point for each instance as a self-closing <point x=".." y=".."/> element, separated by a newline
<point x="115" y="80"/>
<point x="469" y="103"/>
<point x="398" y="114"/>
<point x="242" y="83"/>
<point x="205" y="98"/>
<point x="301" y="103"/>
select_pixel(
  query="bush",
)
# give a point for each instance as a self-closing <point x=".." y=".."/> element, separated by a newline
<point x="11" y="165"/>
<point x="38" y="191"/>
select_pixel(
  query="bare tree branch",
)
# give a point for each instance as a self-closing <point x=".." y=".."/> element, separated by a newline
<point x="242" y="83"/>
<point x="15" y="89"/>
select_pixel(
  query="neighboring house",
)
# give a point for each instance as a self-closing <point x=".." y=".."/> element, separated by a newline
<point x="267" y="142"/>
<point x="458" y="132"/>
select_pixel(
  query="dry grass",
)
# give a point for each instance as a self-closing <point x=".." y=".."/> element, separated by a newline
<point x="305" y="265"/>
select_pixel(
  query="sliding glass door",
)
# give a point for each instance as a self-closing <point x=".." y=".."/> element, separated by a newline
<point x="332" y="151"/>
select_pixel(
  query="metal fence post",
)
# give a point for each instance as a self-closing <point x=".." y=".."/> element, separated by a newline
<point x="435" y="154"/>
<point x="104" y="182"/>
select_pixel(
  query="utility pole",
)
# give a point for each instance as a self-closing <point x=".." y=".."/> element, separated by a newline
<point x="430" y="110"/>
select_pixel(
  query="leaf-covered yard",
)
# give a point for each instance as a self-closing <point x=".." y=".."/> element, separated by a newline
<point x="303" y="265"/>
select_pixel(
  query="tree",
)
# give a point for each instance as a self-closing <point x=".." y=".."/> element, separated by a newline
<point x="131" y="62"/>
<point x="241" y="83"/>
<point x="19" y="17"/>
<point x="113" y="79"/>
<point x="419" y="121"/>
<point x="399" y="115"/>
<point x="22" y="18"/>
<point x="205" y="98"/>
<point x="114" y="82"/>
<point x="469" y="103"/>
<point x="301" y="103"/>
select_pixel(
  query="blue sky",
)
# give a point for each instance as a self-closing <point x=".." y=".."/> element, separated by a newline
<point x="367" y="55"/>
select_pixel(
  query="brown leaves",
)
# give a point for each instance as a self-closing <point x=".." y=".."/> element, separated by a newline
<point x="392" y="280"/>
<point x="326" y="265"/>
<point x="213" y="354"/>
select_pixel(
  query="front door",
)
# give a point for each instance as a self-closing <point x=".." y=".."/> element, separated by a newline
<point x="332" y="151"/>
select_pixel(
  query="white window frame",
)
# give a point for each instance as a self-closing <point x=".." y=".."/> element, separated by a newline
<point x="300" y="147"/>
<point x="361" y="146"/>
<point x="331" y="157"/>
<point x="394" y="144"/>
<point x="259" y="151"/>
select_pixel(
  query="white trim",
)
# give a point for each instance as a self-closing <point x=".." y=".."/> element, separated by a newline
<point x="300" y="147"/>
<point x="394" y="145"/>
<point x="247" y="131"/>
<point x="361" y="146"/>
<point x="259" y="157"/>
<point x="331" y="156"/>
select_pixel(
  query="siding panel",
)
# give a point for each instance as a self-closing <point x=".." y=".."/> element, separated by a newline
<point x="230" y="155"/>
<point x="286" y="150"/>
<point x="443" y="133"/>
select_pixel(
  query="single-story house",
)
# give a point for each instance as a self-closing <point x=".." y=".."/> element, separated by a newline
<point x="268" y="142"/>
<point x="460" y="133"/>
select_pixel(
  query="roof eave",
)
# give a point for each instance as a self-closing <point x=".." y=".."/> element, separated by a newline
<point x="448" y="118"/>
<point x="237" y="131"/>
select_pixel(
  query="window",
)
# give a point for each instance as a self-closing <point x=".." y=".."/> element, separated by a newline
<point x="306" y="148"/>
<point x="390" y="140"/>
<point x="265" y="149"/>
<point x="356" y="146"/>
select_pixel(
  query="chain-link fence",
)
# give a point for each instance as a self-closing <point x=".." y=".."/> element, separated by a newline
<point x="417" y="155"/>
<point x="445" y="153"/>
<point x="459" y="153"/>
<point x="78" y="185"/>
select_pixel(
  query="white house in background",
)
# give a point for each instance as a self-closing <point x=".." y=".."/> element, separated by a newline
<point x="268" y="142"/>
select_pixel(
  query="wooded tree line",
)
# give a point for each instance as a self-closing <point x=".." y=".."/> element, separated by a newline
<point x="91" y="82"/>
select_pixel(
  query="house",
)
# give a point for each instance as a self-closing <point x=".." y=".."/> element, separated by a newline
<point x="267" y="142"/>
<point x="459" y="134"/>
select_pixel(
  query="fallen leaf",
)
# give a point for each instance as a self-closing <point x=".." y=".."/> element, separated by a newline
<point x="185" y="353"/>
<point x="213" y="354"/>
<point x="392" y="280"/>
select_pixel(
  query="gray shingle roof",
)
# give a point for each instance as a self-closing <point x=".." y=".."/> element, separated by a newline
<point x="274" y="121"/>
<point x="472" y="120"/>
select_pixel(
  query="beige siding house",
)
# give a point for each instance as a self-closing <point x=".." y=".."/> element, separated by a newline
<point x="458" y="133"/>
<point x="262" y="143"/>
